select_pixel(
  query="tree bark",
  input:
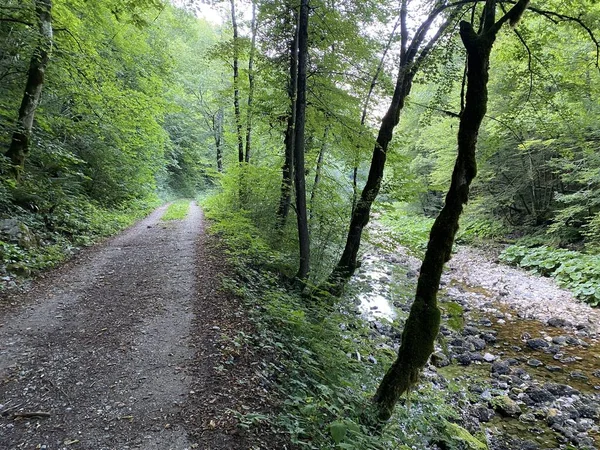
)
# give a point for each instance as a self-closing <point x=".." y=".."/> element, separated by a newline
<point x="318" y="170"/>
<point x="236" y="82"/>
<point x="363" y="116"/>
<point x="423" y="322"/>
<point x="218" y="134"/>
<point x="299" y="176"/>
<point x="410" y="59"/>
<point x="250" y="84"/>
<point x="285" y="199"/>
<point x="19" y="146"/>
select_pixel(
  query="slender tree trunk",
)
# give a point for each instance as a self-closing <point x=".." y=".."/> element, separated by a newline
<point x="19" y="146"/>
<point x="423" y="322"/>
<point x="410" y="59"/>
<point x="236" y="85"/>
<point x="363" y="116"/>
<point x="290" y="135"/>
<point x="250" y="84"/>
<point x="318" y="170"/>
<point x="218" y="134"/>
<point x="299" y="176"/>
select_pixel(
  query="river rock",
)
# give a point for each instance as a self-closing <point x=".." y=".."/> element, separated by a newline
<point x="483" y="414"/>
<point x="438" y="359"/>
<point x="557" y="322"/>
<point x="477" y="342"/>
<point x="464" y="359"/>
<point x="554" y="368"/>
<point x="560" y="390"/>
<point x="539" y="395"/>
<point x="534" y="362"/>
<point x="489" y="338"/>
<point x="559" y="340"/>
<point x="578" y="375"/>
<point x="506" y="406"/>
<point x="488" y="357"/>
<point x="501" y="368"/>
<point x="537" y="343"/>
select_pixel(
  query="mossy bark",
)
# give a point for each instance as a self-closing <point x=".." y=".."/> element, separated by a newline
<point x="19" y="146"/>
<point x="423" y="322"/>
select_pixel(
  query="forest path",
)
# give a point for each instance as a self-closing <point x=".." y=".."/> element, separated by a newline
<point x="106" y="345"/>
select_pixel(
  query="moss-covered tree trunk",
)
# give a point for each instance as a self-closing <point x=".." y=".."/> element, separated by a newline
<point x="19" y="145"/>
<point x="423" y="322"/>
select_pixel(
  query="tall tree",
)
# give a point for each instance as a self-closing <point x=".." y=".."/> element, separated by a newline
<point x="285" y="199"/>
<point x="236" y="84"/>
<point x="423" y="322"/>
<point x="412" y="56"/>
<point x="299" y="144"/>
<point x="19" y="145"/>
<point x="253" y="26"/>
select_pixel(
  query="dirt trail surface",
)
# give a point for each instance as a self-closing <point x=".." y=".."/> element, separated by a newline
<point x="104" y="352"/>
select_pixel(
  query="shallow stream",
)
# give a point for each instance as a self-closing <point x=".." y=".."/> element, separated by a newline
<point x="552" y="373"/>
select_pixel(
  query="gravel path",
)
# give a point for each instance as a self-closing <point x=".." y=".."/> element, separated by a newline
<point x="113" y="348"/>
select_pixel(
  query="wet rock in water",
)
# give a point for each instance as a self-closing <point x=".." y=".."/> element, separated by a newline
<point x="483" y="414"/>
<point x="488" y="357"/>
<point x="534" y="362"/>
<point x="438" y="359"/>
<point x="578" y="375"/>
<point x="554" y="368"/>
<point x="539" y="395"/>
<point x="506" y="406"/>
<point x="537" y="343"/>
<point x="501" y="368"/>
<point x="560" y="390"/>
<point x="557" y="322"/>
<point x="559" y="340"/>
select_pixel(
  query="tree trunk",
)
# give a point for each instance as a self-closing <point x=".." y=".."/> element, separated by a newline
<point x="285" y="199"/>
<point x="19" y="146"/>
<point x="299" y="176"/>
<point x="423" y="322"/>
<point x="363" y="116"/>
<point x="318" y="170"/>
<point x="250" y="84"/>
<point x="410" y="60"/>
<point x="218" y="134"/>
<point x="236" y="88"/>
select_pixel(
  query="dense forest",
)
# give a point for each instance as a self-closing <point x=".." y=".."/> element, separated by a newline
<point x="314" y="133"/>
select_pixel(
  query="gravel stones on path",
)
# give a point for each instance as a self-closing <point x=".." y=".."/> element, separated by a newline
<point x="117" y="348"/>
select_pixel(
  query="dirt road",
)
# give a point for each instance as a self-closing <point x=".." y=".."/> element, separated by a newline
<point x="111" y="350"/>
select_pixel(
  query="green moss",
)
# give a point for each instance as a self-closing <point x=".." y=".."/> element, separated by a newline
<point x="454" y="315"/>
<point x="462" y="439"/>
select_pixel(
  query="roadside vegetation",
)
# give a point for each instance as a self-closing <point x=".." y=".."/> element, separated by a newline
<point x="314" y="132"/>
